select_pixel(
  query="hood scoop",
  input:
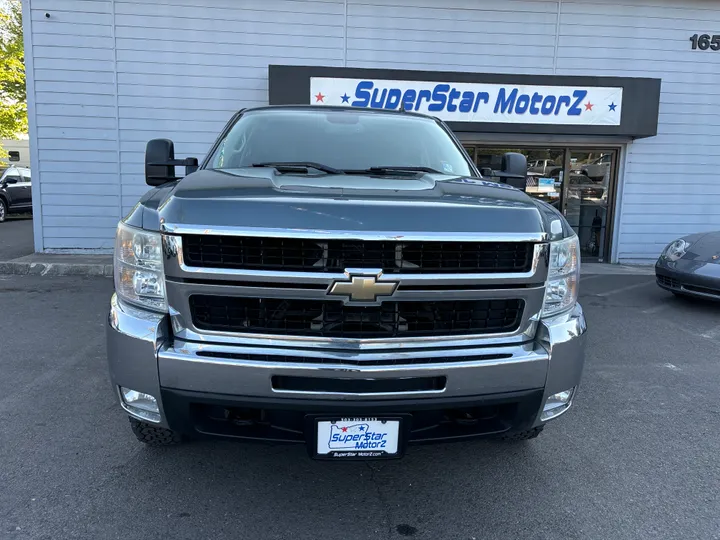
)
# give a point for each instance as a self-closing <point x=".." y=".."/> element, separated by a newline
<point x="340" y="183"/>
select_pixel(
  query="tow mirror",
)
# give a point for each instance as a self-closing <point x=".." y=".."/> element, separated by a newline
<point x="160" y="162"/>
<point x="515" y="164"/>
<point x="514" y="170"/>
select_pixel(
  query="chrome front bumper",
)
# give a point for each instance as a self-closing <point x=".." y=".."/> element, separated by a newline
<point x="143" y="356"/>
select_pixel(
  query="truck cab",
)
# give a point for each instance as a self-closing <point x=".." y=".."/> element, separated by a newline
<point x="344" y="279"/>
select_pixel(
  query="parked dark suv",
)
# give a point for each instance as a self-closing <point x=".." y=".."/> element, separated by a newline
<point x="15" y="192"/>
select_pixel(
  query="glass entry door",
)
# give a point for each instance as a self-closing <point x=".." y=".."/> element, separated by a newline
<point x="580" y="183"/>
<point x="588" y="199"/>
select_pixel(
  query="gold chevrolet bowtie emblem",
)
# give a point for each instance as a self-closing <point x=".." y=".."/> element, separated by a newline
<point x="362" y="288"/>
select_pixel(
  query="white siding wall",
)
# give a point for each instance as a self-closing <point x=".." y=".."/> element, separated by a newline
<point x="497" y="36"/>
<point x="111" y="74"/>
<point x="76" y="127"/>
<point x="671" y="185"/>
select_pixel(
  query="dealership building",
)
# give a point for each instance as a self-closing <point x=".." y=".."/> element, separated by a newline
<point x="615" y="103"/>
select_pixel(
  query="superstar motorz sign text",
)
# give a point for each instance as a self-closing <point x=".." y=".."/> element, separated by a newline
<point x="476" y="102"/>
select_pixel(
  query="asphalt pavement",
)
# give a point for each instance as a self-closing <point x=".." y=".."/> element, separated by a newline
<point x="636" y="458"/>
<point x="16" y="237"/>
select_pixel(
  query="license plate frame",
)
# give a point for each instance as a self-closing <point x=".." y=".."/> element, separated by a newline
<point x="339" y="454"/>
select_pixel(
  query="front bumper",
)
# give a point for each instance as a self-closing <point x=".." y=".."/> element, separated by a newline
<point x="688" y="280"/>
<point x="270" y="392"/>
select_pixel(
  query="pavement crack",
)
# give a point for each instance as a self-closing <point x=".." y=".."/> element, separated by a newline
<point x="381" y="498"/>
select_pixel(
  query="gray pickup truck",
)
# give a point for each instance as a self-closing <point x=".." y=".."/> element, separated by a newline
<point x="343" y="278"/>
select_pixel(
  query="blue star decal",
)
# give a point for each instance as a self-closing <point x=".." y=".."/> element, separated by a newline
<point x="612" y="106"/>
<point x="345" y="98"/>
<point x="362" y="428"/>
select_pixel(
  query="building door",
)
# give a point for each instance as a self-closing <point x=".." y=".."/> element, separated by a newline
<point x="589" y="197"/>
<point x="578" y="182"/>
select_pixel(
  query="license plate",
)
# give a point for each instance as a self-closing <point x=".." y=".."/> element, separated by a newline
<point x="348" y="438"/>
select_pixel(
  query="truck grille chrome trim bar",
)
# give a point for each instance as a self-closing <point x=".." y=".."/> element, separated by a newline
<point x="396" y="236"/>
<point x="352" y="362"/>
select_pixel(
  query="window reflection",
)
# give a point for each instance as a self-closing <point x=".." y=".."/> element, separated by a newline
<point x="586" y="205"/>
<point x="545" y="169"/>
<point x="582" y="193"/>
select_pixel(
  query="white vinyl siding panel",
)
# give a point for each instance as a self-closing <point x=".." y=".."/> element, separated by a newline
<point x="76" y="138"/>
<point x="460" y="35"/>
<point x="669" y="187"/>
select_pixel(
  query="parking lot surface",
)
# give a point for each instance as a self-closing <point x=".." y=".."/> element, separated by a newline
<point x="637" y="457"/>
<point x="16" y="237"/>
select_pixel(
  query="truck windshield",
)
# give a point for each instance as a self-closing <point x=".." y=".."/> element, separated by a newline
<point x="339" y="139"/>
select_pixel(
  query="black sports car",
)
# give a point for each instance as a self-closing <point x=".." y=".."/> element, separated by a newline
<point x="691" y="266"/>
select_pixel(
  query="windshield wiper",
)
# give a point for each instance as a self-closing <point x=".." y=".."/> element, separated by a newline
<point x="393" y="170"/>
<point x="298" y="166"/>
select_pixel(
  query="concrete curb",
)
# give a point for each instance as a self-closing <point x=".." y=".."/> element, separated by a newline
<point x="602" y="269"/>
<point x="55" y="269"/>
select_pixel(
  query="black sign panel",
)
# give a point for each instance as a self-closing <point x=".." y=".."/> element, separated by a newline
<point x="483" y="102"/>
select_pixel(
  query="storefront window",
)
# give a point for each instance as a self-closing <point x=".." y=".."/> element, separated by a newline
<point x="545" y="169"/>
<point x="579" y="183"/>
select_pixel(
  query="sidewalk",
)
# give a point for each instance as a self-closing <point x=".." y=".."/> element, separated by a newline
<point x="50" y="264"/>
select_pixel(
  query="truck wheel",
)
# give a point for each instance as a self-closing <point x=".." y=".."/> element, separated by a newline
<point x="522" y="435"/>
<point x="154" y="435"/>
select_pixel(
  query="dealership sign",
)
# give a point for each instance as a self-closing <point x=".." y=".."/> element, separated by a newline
<point x="476" y="102"/>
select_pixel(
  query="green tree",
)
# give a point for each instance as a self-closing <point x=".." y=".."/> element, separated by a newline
<point x="13" y="96"/>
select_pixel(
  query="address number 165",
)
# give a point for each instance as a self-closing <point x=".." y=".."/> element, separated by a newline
<point x="705" y="42"/>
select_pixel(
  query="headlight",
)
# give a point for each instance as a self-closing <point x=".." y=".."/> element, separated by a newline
<point x="139" y="275"/>
<point x="676" y="250"/>
<point x="561" y="291"/>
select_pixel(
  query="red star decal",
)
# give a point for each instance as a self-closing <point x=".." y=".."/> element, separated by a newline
<point x="344" y="429"/>
<point x="589" y="106"/>
<point x="319" y="98"/>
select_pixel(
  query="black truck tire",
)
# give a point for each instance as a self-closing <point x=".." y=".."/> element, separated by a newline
<point x="154" y="435"/>
<point x="522" y="435"/>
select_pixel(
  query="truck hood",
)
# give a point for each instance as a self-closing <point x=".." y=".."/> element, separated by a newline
<point x="265" y="200"/>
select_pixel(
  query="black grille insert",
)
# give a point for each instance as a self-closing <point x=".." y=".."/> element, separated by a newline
<point x="668" y="281"/>
<point x="334" y="319"/>
<point x="294" y="254"/>
<point x="358" y="386"/>
<point x="701" y="290"/>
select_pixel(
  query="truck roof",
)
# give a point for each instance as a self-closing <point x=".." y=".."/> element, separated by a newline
<point x="337" y="108"/>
